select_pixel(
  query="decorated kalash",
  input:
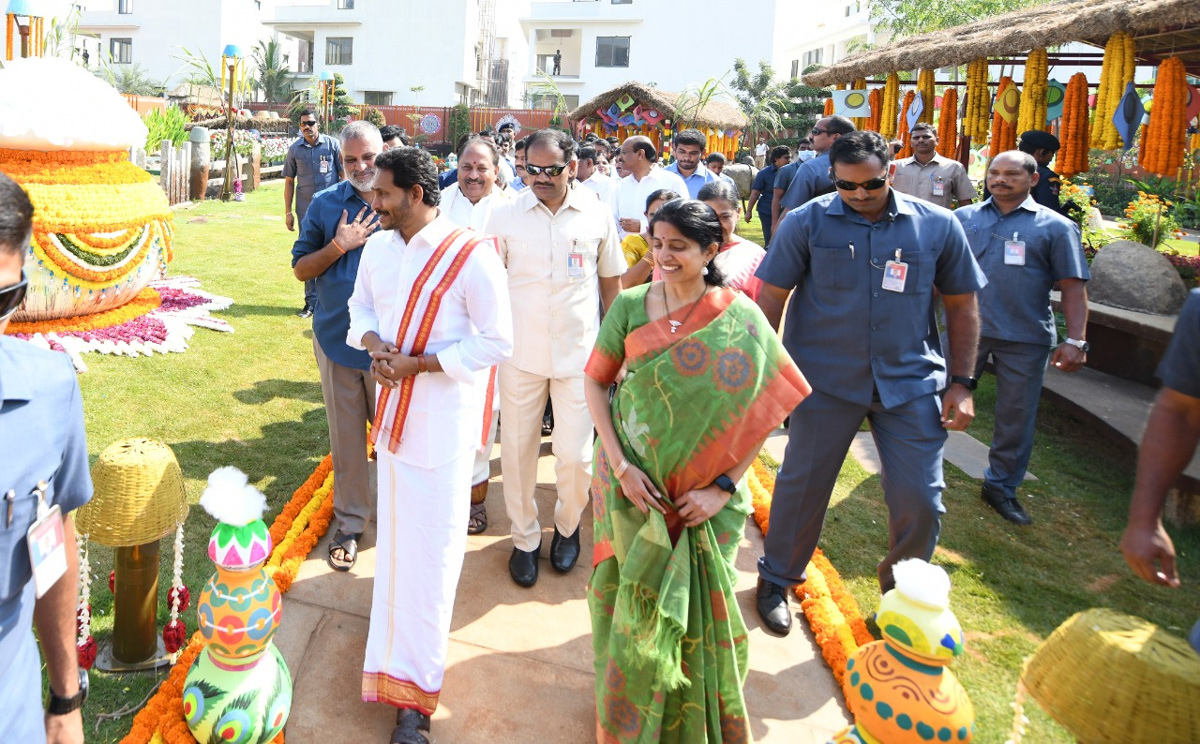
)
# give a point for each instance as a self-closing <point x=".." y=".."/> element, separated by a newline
<point x="899" y="689"/>
<point x="239" y="690"/>
<point x="102" y="227"/>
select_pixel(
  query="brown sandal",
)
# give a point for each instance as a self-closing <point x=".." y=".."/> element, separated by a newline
<point x="478" y="522"/>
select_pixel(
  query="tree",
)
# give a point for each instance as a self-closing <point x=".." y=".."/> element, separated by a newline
<point x="774" y="105"/>
<point x="900" y="18"/>
<point x="272" y="76"/>
<point x="130" y="79"/>
<point x="310" y="98"/>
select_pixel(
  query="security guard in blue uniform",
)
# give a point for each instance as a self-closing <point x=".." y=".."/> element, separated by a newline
<point x="1023" y="248"/>
<point x="43" y="465"/>
<point x="864" y="263"/>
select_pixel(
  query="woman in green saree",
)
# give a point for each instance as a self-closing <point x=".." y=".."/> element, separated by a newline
<point x="705" y="381"/>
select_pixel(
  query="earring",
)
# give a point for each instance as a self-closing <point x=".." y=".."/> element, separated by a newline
<point x="704" y="271"/>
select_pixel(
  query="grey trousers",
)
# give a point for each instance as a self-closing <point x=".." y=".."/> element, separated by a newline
<point x="1020" y="369"/>
<point x="910" y="439"/>
<point x="349" y="405"/>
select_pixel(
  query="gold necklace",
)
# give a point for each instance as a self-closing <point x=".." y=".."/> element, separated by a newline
<point x="676" y="323"/>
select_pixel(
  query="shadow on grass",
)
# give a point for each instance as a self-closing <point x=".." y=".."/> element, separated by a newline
<point x="242" y="311"/>
<point x="265" y="391"/>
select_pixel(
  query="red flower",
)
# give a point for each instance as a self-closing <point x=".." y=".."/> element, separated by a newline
<point x="174" y="634"/>
<point x="185" y="597"/>
<point x="87" y="652"/>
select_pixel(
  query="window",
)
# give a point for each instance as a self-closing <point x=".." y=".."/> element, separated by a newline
<point x="377" y="97"/>
<point x="853" y="8"/>
<point x="121" y="51"/>
<point x="345" y="4"/>
<point x="622" y="2"/>
<point x="795" y="68"/>
<point x="125" y="7"/>
<point x="812" y="57"/>
<point x="339" y="50"/>
<point x="612" y="51"/>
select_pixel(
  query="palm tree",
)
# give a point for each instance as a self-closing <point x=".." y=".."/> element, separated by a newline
<point x="132" y="79"/>
<point x="273" y="77"/>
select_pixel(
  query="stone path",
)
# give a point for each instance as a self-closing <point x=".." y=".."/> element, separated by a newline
<point x="520" y="660"/>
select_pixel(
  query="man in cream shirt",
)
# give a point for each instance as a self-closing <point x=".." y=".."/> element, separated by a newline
<point x="469" y="203"/>
<point x="560" y="246"/>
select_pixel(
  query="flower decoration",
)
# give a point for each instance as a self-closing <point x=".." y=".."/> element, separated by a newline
<point x="85" y="643"/>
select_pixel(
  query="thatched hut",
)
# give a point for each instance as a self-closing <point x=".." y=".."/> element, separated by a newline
<point x="634" y="108"/>
<point x="1161" y="28"/>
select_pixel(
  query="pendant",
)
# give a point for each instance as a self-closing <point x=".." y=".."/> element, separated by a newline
<point x="675" y="325"/>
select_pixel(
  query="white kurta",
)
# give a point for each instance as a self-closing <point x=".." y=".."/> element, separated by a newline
<point x="422" y="510"/>
<point x="629" y="198"/>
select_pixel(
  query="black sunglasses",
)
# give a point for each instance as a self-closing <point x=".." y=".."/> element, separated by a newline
<point x="12" y="297"/>
<point x="550" y="170"/>
<point x="816" y="131"/>
<point x="308" y="123"/>
<point x="872" y="185"/>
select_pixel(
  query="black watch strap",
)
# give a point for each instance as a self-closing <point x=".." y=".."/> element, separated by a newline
<point x="725" y="483"/>
<point x="58" y="706"/>
<point x="970" y="383"/>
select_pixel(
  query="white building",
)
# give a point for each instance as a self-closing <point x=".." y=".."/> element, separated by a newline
<point x="671" y="45"/>
<point x="154" y="33"/>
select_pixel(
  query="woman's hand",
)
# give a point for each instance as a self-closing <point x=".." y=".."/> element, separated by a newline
<point x="698" y="506"/>
<point x="638" y="488"/>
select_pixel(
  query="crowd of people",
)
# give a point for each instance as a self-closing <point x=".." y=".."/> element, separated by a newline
<point x="588" y="279"/>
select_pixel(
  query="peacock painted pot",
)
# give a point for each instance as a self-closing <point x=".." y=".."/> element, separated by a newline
<point x="239" y="691"/>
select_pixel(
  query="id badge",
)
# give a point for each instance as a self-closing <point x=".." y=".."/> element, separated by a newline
<point x="47" y="548"/>
<point x="1014" y="252"/>
<point x="895" y="274"/>
<point x="939" y="187"/>
<point x="324" y="166"/>
<point x="575" y="265"/>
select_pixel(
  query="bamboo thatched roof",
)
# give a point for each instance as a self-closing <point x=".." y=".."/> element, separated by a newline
<point x="1161" y="29"/>
<point x="715" y="114"/>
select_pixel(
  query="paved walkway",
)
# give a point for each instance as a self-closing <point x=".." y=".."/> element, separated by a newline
<point x="520" y="661"/>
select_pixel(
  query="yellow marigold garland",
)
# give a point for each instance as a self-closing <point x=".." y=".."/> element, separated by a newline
<point x="1033" y="99"/>
<point x="979" y="102"/>
<point x="948" y="124"/>
<point x="300" y="525"/>
<point x="830" y="609"/>
<point x="1166" y="135"/>
<point x="891" y="106"/>
<point x="925" y="88"/>
<point x="1073" y="132"/>
<point x="1115" y="73"/>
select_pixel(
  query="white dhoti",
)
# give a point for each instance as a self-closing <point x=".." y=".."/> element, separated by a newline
<point x="419" y="555"/>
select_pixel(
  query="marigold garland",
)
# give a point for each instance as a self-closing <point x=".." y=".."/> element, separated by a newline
<point x="163" y="714"/>
<point x="1033" y="99"/>
<point x="874" y="99"/>
<point x="828" y="111"/>
<point x="1073" y="131"/>
<point x="979" y="102"/>
<point x="902" y="132"/>
<point x="948" y="125"/>
<point x="146" y="301"/>
<point x="1004" y="132"/>
<point x="830" y="609"/>
<point x="1115" y="72"/>
<point x="925" y="88"/>
<point x="1166" y="135"/>
<point x="891" y="106"/>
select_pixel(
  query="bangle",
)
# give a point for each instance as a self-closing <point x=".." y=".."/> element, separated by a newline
<point x="341" y="250"/>
<point x="421" y="366"/>
<point x="621" y="468"/>
<point x="648" y="258"/>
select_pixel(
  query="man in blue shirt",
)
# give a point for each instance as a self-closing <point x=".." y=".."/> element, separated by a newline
<point x="761" y="191"/>
<point x="1023" y="248"/>
<point x="336" y="226"/>
<point x="865" y="263"/>
<point x="688" y="148"/>
<point x="42" y="451"/>
<point x="312" y="164"/>
<point x="804" y="180"/>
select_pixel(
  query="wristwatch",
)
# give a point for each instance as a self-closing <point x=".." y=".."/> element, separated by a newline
<point x="58" y="706"/>
<point x="725" y="483"/>
<point x="970" y="383"/>
<point x="1083" y="346"/>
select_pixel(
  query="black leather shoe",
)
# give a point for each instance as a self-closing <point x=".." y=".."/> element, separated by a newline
<point x="1007" y="507"/>
<point x="523" y="566"/>
<point x="305" y="312"/>
<point x="547" y="425"/>
<point x="564" y="551"/>
<point x="773" y="607"/>
<point x="411" y="727"/>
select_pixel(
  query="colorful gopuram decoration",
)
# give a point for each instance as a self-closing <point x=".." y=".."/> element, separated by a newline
<point x="239" y="690"/>
<point x="899" y="689"/>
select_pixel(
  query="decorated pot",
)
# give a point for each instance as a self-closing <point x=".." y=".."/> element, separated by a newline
<point x="237" y="702"/>
<point x="924" y="631"/>
<point x="101" y="225"/>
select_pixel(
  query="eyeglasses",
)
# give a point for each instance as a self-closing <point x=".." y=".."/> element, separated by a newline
<point x="872" y="185"/>
<point x="12" y="297"/>
<point x="816" y="131"/>
<point x="308" y="123"/>
<point x="550" y="170"/>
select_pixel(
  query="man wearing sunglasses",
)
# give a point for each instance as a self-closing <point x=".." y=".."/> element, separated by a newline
<point x="313" y="163"/>
<point x="43" y="465"/>
<point x="564" y="262"/>
<point x="803" y="179"/>
<point x="864" y="263"/>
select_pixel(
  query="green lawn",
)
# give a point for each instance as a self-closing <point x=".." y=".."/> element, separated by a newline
<point x="252" y="399"/>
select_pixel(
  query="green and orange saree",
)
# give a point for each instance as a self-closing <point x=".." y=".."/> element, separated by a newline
<point x="670" y="645"/>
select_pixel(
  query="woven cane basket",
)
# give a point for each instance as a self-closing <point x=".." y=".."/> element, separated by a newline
<point x="139" y="495"/>
<point x="1111" y="678"/>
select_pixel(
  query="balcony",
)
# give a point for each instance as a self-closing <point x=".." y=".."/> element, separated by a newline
<point x="289" y="15"/>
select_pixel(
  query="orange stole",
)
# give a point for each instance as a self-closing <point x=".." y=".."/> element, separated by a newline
<point x="423" y="330"/>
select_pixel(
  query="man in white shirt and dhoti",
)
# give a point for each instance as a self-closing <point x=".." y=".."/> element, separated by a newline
<point x="560" y="247"/>
<point x="431" y="305"/>
<point x="469" y="203"/>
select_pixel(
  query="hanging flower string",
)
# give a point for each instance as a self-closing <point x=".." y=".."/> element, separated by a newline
<point x="85" y="642"/>
<point x="175" y="631"/>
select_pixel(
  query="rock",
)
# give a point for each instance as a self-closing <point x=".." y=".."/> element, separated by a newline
<point x="1136" y="277"/>
<point x="743" y="177"/>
